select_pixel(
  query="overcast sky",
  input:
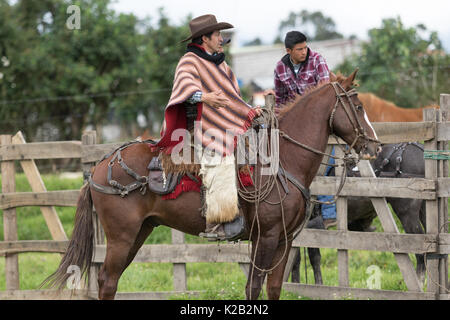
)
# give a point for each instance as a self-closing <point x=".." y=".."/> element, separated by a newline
<point x="261" y="18"/>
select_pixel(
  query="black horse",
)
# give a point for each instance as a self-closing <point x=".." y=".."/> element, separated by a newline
<point x="403" y="160"/>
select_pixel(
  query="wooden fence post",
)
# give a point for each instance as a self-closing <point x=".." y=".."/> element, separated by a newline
<point x="342" y="224"/>
<point x="270" y="101"/>
<point x="443" y="202"/>
<point x="37" y="185"/>
<point x="10" y="219"/>
<point x="179" y="269"/>
<point x="432" y="208"/>
<point x="90" y="138"/>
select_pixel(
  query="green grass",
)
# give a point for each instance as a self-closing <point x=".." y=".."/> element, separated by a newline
<point x="214" y="280"/>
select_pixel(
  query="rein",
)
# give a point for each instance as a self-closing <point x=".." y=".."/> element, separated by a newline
<point x="348" y="158"/>
<point x="359" y="130"/>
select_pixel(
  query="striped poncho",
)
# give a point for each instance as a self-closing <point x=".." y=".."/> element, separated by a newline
<point x="218" y="126"/>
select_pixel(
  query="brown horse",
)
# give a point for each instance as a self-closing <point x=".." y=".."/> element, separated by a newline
<point x="128" y="221"/>
<point x="380" y="110"/>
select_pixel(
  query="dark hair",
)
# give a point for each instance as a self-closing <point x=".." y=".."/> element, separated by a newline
<point x="292" y="38"/>
<point x="199" y="41"/>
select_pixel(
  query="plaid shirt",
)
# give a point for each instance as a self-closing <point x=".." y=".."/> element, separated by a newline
<point x="288" y="84"/>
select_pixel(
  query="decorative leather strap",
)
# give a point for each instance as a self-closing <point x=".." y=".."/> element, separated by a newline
<point x="115" y="187"/>
<point x="111" y="190"/>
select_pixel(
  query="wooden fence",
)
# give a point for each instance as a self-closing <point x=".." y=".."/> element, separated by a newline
<point x="434" y="189"/>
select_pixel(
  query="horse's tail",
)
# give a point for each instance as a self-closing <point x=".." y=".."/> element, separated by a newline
<point x="78" y="257"/>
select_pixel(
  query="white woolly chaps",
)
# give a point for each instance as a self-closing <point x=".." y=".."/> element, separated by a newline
<point x="221" y="190"/>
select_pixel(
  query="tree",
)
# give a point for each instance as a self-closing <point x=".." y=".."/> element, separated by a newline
<point x="314" y="25"/>
<point x="405" y="65"/>
<point x="159" y="55"/>
<point x="63" y="78"/>
<point x="58" y="80"/>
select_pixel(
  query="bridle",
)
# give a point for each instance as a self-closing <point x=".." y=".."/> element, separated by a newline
<point x="350" y="111"/>
<point x="348" y="159"/>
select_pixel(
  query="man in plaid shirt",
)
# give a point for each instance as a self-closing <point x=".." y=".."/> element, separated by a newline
<point x="298" y="70"/>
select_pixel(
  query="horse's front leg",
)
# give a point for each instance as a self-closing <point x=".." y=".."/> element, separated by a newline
<point x="263" y="250"/>
<point x="275" y="278"/>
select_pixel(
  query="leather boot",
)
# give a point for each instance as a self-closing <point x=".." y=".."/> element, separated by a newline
<point x="235" y="229"/>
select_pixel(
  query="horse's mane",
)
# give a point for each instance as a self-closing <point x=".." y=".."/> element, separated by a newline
<point x="285" y="108"/>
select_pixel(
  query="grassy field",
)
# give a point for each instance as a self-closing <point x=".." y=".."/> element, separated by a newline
<point x="215" y="280"/>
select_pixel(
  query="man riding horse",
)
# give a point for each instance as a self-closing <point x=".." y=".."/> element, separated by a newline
<point x="206" y="92"/>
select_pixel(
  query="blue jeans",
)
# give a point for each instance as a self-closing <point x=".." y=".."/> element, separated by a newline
<point x="328" y="210"/>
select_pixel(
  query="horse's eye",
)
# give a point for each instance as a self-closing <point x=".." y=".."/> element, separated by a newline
<point x="359" y="107"/>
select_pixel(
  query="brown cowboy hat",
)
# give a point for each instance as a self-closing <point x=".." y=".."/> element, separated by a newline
<point x="204" y="25"/>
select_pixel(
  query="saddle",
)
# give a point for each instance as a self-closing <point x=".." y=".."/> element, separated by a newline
<point x="158" y="182"/>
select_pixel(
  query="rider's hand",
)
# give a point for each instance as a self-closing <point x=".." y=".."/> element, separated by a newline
<point x="215" y="99"/>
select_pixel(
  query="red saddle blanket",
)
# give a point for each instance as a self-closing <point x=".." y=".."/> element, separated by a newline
<point x="187" y="184"/>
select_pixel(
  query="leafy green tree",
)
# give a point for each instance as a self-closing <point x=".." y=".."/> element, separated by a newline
<point x="314" y="25"/>
<point x="160" y="51"/>
<point x="60" y="77"/>
<point x="55" y="80"/>
<point x="405" y="65"/>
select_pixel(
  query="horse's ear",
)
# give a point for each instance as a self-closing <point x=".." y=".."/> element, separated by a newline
<point x="333" y="77"/>
<point x="348" y="83"/>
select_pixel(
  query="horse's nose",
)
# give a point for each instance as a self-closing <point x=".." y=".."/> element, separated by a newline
<point x="379" y="150"/>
